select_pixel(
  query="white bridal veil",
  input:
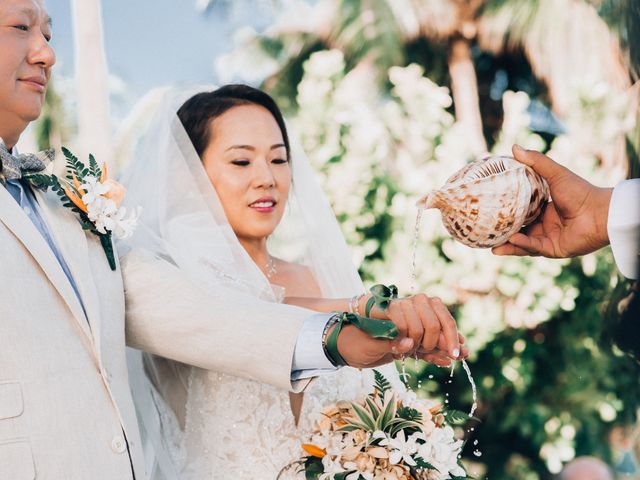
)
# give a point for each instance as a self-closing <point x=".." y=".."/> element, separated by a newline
<point x="183" y="222"/>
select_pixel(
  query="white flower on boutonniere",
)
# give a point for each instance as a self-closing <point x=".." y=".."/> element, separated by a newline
<point x="95" y="198"/>
<point x="103" y="200"/>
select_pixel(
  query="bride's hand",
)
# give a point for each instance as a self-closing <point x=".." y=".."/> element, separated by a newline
<point x="439" y="356"/>
<point x="427" y="321"/>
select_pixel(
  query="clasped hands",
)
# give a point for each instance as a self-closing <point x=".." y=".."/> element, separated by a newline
<point x="426" y="331"/>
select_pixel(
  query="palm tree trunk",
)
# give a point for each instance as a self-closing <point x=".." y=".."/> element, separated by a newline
<point x="94" y="127"/>
<point x="464" y="89"/>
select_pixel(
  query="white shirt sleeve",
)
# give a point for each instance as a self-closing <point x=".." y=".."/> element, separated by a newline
<point x="309" y="359"/>
<point x="623" y="226"/>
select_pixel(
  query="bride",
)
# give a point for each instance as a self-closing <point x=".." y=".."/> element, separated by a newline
<point x="231" y="201"/>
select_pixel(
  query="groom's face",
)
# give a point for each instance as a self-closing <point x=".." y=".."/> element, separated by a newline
<point x="26" y="59"/>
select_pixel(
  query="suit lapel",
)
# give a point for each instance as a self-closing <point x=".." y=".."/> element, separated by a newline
<point x="21" y="226"/>
<point x="71" y="240"/>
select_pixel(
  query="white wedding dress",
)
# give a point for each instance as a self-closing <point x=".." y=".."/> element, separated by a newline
<point x="240" y="429"/>
<point x="233" y="428"/>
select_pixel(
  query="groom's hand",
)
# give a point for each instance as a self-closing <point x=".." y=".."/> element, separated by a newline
<point x="574" y="223"/>
<point x="426" y="330"/>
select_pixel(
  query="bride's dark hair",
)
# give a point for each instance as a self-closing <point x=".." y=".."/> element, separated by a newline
<point x="197" y="113"/>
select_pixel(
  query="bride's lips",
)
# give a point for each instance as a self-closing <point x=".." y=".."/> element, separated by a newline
<point x="264" y="205"/>
<point x="38" y="83"/>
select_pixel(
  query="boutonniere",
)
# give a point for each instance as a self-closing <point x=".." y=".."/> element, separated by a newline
<point x="96" y="199"/>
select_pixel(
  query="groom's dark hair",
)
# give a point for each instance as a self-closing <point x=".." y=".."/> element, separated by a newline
<point x="197" y="113"/>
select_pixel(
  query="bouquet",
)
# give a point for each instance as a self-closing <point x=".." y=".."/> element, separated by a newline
<point x="388" y="436"/>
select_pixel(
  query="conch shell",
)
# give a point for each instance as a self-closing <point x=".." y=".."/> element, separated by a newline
<point x="489" y="200"/>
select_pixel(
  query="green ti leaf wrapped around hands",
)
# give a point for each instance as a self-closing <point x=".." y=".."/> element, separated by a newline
<point x="381" y="296"/>
<point x="376" y="328"/>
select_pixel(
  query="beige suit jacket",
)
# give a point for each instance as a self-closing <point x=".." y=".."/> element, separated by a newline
<point x="65" y="408"/>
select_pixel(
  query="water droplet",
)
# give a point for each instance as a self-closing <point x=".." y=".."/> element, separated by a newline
<point x="477" y="453"/>
<point x="416" y="236"/>
<point x="473" y="387"/>
<point x="403" y="374"/>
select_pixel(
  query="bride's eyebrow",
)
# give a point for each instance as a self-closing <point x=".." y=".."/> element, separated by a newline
<point x="240" y="147"/>
<point x="249" y="147"/>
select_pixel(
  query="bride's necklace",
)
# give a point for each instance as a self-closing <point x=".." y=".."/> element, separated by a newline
<point x="270" y="267"/>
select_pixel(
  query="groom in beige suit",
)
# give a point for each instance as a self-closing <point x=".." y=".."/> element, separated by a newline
<point x="65" y="407"/>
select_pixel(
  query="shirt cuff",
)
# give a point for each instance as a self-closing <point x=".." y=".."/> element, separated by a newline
<point x="623" y="226"/>
<point x="309" y="359"/>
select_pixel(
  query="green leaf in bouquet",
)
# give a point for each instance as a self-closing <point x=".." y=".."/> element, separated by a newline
<point x="375" y="410"/>
<point x="423" y="464"/>
<point x="408" y="413"/>
<point x="353" y="426"/>
<point x="381" y="382"/>
<point x="457" y="417"/>
<point x="365" y="417"/>
<point x="344" y="475"/>
<point x="389" y="412"/>
<point x="398" y="424"/>
<point x="313" y="468"/>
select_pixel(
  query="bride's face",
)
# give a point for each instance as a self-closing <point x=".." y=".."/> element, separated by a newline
<point x="246" y="161"/>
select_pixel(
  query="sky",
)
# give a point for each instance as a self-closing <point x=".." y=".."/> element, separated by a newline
<point x="152" y="43"/>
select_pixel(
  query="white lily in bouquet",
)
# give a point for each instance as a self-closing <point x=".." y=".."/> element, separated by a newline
<point x="387" y="436"/>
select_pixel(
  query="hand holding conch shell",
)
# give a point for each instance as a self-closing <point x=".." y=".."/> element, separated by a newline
<point x="489" y="200"/>
<point x="575" y="223"/>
